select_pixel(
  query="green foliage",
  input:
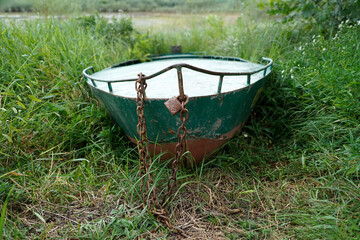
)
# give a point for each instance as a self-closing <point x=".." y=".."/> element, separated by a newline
<point x="42" y="100"/>
<point x="326" y="13"/>
<point x="118" y="226"/>
<point x="212" y="36"/>
<point x="69" y="6"/>
<point x="16" y="6"/>
<point x="3" y="214"/>
<point x="293" y="172"/>
<point x="316" y="99"/>
<point x="55" y="6"/>
<point x="116" y="29"/>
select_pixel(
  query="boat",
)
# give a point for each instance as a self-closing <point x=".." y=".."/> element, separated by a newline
<point x="221" y="93"/>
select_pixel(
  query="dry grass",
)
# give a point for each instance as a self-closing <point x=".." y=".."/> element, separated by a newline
<point x="74" y="176"/>
<point x="209" y="209"/>
<point x="218" y="205"/>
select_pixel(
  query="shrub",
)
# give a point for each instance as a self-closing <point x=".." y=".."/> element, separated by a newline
<point x="328" y="14"/>
<point x="113" y="30"/>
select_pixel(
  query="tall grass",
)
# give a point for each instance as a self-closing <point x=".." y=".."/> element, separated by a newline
<point x="293" y="173"/>
<point x="323" y="107"/>
<point x="50" y="127"/>
<point x="210" y="34"/>
<point x="312" y="111"/>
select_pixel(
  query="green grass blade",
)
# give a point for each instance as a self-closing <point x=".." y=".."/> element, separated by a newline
<point x="3" y="214"/>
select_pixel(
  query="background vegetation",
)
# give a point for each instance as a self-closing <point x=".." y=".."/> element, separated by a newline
<point x="326" y="14"/>
<point x="68" y="6"/>
<point x="67" y="171"/>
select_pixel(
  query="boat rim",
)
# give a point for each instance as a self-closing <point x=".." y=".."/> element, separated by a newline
<point x="178" y="67"/>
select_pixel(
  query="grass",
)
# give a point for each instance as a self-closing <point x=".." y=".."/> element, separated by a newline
<point x="292" y="173"/>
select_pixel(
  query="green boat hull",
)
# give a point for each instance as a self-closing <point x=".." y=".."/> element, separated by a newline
<point x="212" y="121"/>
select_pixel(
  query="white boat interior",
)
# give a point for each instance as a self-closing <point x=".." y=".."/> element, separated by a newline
<point x="166" y="84"/>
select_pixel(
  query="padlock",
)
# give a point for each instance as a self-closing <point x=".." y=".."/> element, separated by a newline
<point x="173" y="105"/>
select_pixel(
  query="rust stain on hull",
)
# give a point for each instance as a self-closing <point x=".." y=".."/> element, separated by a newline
<point x="200" y="148"/>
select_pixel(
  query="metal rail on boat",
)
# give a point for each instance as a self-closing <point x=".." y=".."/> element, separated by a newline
<point x="179" y="67"/>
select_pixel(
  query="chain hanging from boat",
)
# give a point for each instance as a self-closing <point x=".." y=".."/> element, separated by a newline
<point x="143" y="144"/>
<point x="148" y="191"/>
<point x="179" y="149"/>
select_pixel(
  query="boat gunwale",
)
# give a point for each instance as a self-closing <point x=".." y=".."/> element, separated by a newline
<point x="179" y="66"/>
<point x="191" y="97"/>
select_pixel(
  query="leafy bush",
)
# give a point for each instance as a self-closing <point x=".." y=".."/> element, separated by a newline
<point x="113" y="30"/>
<point x="326" y="13"/>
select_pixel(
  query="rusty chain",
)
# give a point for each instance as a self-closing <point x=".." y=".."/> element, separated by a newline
<point x="143" y="143"/>
<point x="179" y="149"/>
<point x="145" y="160"/>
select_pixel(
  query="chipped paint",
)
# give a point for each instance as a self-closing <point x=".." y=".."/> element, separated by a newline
<point x="213" y="118"/>
<point x="200" y="148"/>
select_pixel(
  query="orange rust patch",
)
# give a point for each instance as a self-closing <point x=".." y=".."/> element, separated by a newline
<point x="200" y="148"/>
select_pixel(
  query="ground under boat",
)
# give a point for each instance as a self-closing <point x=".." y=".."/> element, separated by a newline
<point x="222" y="92"/>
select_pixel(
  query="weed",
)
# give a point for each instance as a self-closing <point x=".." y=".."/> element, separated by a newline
<point x="292" y="173"/>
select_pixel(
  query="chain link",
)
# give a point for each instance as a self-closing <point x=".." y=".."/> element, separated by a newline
<point x="143" y="146"/>
<point x="179" y="150"/>
<point x="148" y="192"/>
